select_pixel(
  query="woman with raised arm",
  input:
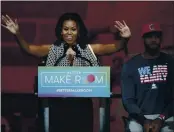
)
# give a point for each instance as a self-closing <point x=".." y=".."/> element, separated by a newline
<point x="70" y="49"/>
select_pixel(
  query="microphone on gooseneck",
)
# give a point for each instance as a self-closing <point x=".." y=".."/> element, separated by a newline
<point x="66" y="47"/>
<point x="71" y="54"/>
<point x="71" y="59"/>
<point x="75" y="48"/>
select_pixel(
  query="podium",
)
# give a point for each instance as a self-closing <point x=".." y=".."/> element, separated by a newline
<point x="71" y="82"/>
<point x="74" y="82"/>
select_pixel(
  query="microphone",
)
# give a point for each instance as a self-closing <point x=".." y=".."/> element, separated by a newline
<point x="71" y="59"/>
<point x="71" y="53"/>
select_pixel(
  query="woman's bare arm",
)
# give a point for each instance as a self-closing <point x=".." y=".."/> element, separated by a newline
<point x="106" y="49"/>
<point x="13" y="27"/>
<point x="35" y="50"/>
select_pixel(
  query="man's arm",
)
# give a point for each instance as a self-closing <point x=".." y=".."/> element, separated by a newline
<point x="169" y="109"/>
<point x="167" y="113"/>
<point x="128" y="94"/>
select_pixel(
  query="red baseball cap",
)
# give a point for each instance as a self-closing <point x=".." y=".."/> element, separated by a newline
<point x="151" y="27"/>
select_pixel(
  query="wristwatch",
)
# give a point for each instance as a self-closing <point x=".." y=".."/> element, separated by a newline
<point x="162" y="117"/>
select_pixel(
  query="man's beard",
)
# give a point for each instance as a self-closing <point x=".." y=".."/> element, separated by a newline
<point x="152" y="50"/>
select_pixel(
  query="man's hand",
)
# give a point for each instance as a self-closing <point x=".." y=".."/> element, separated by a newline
<point x="147" y="125"/>
<point x="156" y="125"/>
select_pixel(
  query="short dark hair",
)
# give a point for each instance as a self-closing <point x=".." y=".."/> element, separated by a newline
<point x="82" y="39"/>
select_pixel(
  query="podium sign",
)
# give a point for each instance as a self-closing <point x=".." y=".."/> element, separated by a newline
<point x="73" y="81"/>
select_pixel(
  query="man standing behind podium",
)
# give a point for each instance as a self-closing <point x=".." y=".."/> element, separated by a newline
<point x="70" y="49"/>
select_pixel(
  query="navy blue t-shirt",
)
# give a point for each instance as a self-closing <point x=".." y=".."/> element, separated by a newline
<point x="147" y="84"/>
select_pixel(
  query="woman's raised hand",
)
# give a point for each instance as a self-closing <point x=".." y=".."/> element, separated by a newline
<point x="10" y="25"/>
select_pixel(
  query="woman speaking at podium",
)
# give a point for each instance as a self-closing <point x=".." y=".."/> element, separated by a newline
<point x="70" y="49"/>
